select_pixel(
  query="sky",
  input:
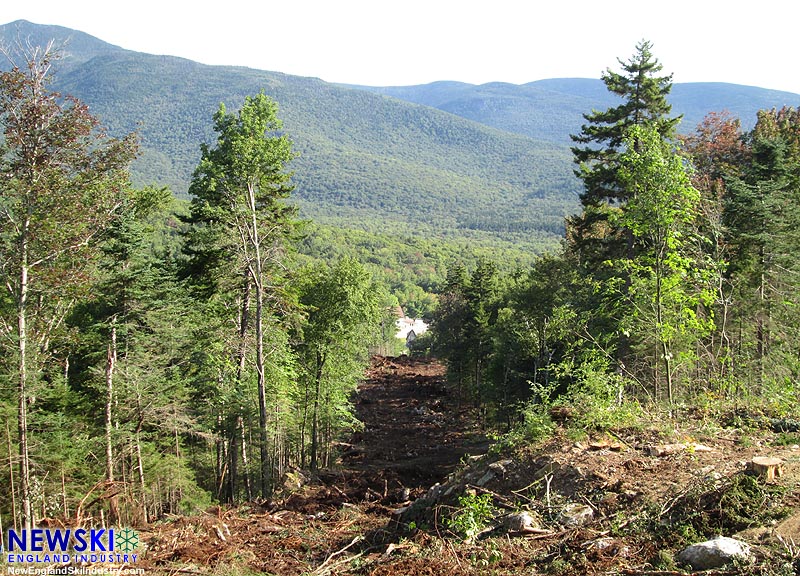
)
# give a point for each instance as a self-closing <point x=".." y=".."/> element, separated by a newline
<point x="398" y="43"/>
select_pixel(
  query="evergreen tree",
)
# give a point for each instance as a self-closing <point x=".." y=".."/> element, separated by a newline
<point x="128" y="360"/>
<point x="63" y="182"/>
<point x="449" y="321"/>
<point x="532" y="333"/>
<point x="601" y="144"/>
<point x="762" y="221"/>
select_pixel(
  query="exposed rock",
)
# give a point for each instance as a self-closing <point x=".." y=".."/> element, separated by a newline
<point x="294" y="480"/>
<point x="609" y="547"/>
<point x="501" y="466"/>
<point x="486" y="478"/>
<point x="575" y="515"/>
<point x="521" y="522"/>
<point x="605" y="444"/>
<point x="434" y="492"/>
<point x="714" y="553"/>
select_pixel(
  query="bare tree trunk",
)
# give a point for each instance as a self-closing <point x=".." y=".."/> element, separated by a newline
<point x="262" y="389"/>
<point x="258" y="279"/>
<point x="140" y="472"/>
<point x="233" y="465"/>
<point x="111" y="361"/>
<point x="244" y="323"/>
<point x="11" y="478"/>
<point x="245" y="460"/>
<point x="315" y="413"/>
<point x="303" y="425"/>
<point x="278" y="445"/>
<point x="22" y="392"/>
<point x="64" y="508"/>
<point x="178" y="493"/>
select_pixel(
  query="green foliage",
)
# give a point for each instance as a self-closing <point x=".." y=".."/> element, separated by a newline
<point x="63" y="184"/>
<point x="596" y="398"/>
<point x="537" y="425"/>
<point x="665" y="288"/>
<point x="474" y="514"/>
<point x="365" y="161"/>
<point x="644" y="103"/>
<point x="194" y="346"/>
<point x="729" y="506"/>
<point x="344" y="310"/>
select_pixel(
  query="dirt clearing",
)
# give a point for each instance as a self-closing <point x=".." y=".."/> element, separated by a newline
<point x="408" y="490"/>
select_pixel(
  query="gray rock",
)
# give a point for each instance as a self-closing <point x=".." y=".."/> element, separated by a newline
<point x="576" y="515"/>
<point x="501" y="466"/>
<point x="434" y="492"/>
<point x="486" y="478"/>
<point x="714" y="553"/>
<point x="520" y="522"/>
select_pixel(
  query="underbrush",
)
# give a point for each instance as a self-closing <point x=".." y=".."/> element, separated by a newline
<point x="598" y="401"/>
<point x="710" y="508"/>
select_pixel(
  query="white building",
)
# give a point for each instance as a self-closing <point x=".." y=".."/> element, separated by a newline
<point x="409" y="328"/>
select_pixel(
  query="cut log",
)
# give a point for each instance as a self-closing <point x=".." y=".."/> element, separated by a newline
<point x="766" y="467"/>
<point x="667" y="449"/>
<point x="605" y="444"/>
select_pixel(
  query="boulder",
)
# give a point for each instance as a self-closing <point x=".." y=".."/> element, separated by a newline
<point x="714" y="553"/>
<point x="521" y="522"/>
<point x="576" y="515"/>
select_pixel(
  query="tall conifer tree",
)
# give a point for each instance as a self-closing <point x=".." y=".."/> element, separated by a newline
<point x="600" y="144"/>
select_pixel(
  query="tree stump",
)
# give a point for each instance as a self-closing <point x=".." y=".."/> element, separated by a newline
<point x="766" y="467"/>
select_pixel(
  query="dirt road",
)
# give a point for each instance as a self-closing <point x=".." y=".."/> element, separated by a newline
<point x="415" y="432"/>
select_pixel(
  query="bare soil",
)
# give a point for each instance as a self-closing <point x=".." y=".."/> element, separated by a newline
<point x="650" y="491"/>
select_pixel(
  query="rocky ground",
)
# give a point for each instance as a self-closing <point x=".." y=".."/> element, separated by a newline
<point x="420" y="491"/>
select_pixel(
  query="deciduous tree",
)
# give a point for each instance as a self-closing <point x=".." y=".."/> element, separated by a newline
<point x="242" y="224"/>
<point x="62" y="184"/>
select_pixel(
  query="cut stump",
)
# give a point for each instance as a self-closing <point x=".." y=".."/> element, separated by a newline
<point x="766" y="467"/>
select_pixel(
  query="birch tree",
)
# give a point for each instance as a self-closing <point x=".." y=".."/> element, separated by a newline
<point x="62" y="181"/>
<point x="240" y="186"/>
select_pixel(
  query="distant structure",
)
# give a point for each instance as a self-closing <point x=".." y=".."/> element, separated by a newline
<point x="409" y="328"/>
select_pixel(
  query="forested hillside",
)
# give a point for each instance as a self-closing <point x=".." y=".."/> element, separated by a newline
<point x="553" y="109"/>
<point x="363" y="160"/>
<point x="158" y="355"/>
<point x="677" y="283"/>
<point x="494" y="168"/>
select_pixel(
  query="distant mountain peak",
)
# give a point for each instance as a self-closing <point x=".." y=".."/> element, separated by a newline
<point x="77" y="47"/>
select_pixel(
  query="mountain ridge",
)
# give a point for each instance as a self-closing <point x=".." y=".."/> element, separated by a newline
<point x="529" y="109"/>
<point x="489" y="163"/>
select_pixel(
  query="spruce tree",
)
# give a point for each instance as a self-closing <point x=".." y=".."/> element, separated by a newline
<point x="761" y="220"/>
<point x="599" y="148"/>
<point x="62" y="182"/>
